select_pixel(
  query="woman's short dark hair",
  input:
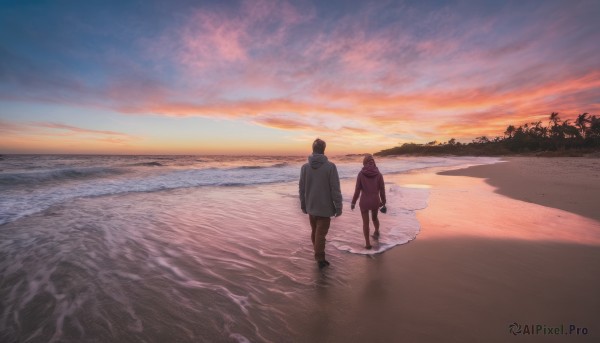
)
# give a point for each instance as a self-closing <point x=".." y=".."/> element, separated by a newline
<point x="319" y="146"/>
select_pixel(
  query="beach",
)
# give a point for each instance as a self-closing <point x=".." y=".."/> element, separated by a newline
<point x="570" y="184"/>
<point x="161" y="164"/>
<point x="217" y="250"/>
<point x="482" y="262"/>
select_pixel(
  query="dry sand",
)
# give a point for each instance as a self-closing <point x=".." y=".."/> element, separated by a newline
<point x="481" y="262"/>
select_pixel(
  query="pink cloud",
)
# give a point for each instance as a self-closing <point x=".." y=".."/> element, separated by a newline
<point x="9" y="127"/>
<point x="213" y="38"/>
<point x="284" y="123"/>
<point x="278" y="65"/>
<point x="356" y="70"/>
<point x="38" y="131"/>
<point x="76" y="129"/>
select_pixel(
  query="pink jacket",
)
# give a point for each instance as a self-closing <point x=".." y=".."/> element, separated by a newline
<point x="370" y="183"/>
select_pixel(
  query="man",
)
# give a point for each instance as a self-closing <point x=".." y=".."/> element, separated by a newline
<point x="320" y="197"/>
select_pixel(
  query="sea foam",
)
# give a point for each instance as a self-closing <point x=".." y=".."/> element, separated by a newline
<point x="33" y="184"/>
<point x="398" y="226"/>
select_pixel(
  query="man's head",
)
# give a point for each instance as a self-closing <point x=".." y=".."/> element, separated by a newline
<point x="319" y="146"/>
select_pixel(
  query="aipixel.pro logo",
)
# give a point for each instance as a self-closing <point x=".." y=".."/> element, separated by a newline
<point x="542" y="329"/>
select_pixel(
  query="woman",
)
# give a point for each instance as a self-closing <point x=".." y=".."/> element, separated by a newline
<point x="370" y="182"/>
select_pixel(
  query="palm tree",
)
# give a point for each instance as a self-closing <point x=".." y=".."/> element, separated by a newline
<point x="510" y="130"/>
<point x="569" y="130"/>
<point x="594" y="128"/>
<point x="481" y="140"/>
<point x="538" y="129"/>
<point x="555" y="128"/>
<point x="581" y="122"/>
<point x="544" y="131"/>
<point x="554" y="119"/>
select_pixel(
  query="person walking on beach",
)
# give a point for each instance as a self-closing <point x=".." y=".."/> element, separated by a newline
<point x="320" y="197"/>
<point x="370" y="183"/>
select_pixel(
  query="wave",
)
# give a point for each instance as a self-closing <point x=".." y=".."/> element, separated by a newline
<point x="276" y="165"/>
<point x="233" y="184"/>
<point x="57" y="175"/>
<point x="147" y="164"/>
<point x="248" y="167"/>
<point x="21" y="201"/>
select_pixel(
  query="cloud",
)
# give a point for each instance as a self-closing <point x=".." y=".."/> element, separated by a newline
<point x="356" y="130"/>
<point x="39" y="130"/>
<point x="395" y="69"/>
<point x="284" y="123"/>
<point x="219" y="37"/>
<point x="75" y="129"/>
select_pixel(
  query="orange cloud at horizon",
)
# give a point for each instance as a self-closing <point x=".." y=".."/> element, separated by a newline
<point x="483" y="110"/>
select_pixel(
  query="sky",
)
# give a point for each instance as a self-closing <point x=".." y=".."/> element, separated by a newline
<point x="268" y="77"/>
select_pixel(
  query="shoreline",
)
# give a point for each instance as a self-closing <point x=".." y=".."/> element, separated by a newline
<point x="473" y="270"/>
<point x="240" y="262"/>
<point x="569" y="184"/>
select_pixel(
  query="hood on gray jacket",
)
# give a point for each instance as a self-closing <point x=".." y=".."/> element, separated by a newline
<point x="316" y="160"/>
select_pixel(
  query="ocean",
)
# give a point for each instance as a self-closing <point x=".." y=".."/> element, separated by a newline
<point x="178" y="248"/>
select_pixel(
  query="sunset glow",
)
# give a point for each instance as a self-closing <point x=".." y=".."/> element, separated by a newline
<point x="267" y="77"/>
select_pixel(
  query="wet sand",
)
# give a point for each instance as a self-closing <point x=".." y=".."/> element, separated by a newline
<point x="570" y="183"/>
<point x="481" y="262"/>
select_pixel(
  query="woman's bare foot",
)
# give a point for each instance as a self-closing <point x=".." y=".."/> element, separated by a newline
<point x="376" y="234"/>
<point x="368" y="247"/>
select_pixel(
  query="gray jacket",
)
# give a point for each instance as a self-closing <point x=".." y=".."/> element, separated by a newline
<point x="319" y="187"/>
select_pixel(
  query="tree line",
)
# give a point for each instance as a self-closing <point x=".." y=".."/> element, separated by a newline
<point x="558" y="137"/>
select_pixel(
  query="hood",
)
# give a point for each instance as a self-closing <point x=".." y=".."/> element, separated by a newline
<point x="370" y="168"/>
<point x="370" y="171"/>
<point x="316" y="160"/>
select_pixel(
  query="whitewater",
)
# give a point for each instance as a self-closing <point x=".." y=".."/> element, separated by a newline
<point x="32" y="183"/>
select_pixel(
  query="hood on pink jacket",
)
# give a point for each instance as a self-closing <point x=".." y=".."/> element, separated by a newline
<point x="369" y="167"/>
